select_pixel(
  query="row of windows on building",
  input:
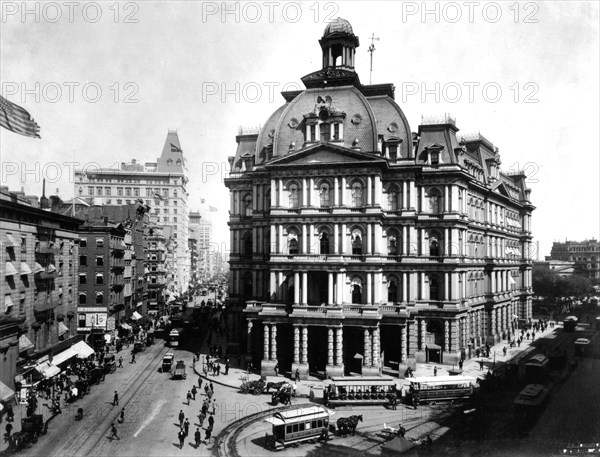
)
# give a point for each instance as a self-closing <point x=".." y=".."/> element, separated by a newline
<point x="435" y="246"/>
<point x="9" y="304"/>
<point x="128" y="192"/>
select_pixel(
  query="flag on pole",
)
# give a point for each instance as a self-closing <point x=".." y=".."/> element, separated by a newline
<point x="158" y="196"/>
<point x="17" y="119"/>
<point x="175" y="148"/>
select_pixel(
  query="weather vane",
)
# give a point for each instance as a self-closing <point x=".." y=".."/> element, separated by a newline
<point x="371" y="50"/>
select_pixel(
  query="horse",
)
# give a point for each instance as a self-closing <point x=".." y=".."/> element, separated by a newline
<point x="347" y="425"/>
<point x="275" y="385"/>
<point x="283" y="396"/>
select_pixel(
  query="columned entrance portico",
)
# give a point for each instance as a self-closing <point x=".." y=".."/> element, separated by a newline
<point x="335" y="349"/>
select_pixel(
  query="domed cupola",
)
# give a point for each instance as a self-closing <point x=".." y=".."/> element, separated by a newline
<point x="339" y="45"/>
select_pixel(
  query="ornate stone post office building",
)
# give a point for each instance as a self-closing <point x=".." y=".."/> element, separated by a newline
<point x="358" y="246"/>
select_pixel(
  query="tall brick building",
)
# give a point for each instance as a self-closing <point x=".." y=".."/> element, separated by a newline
<point x="352" y="233"/>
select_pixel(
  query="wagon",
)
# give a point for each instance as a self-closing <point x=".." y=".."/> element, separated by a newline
<point x="255" y="387"/>
<point x="31" y="429"/>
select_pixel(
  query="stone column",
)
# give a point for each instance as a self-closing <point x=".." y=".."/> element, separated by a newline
<point x="369" y="300"/>
<point x="335" y="191"/>
<point x="369" y="201"/>
<point x="367" y="348"/>
<point x="304" y="193"/>
<point x="343" y="244"/>
<point x="329" y="346"/>
<point x="343" y="197"/>
<point x="378" y="190"/>
<point x="403" y="344"/>
<point x="305" y="344"/>
<point x="312" y="249"/>
<point x="329" y="288"/>
<point x="279" y="289"/>
<point x="280" y="193"/>
<point x="339" y="299"/>
<point x="304" y="288"/>
<point x="423" y="332"/>
<point x="404" y="286"/>
<point x="273" y="341"/>
<point x="296" y="344"/>
<point x="296" y="288"/>
<point x="404" y="202"/>
<point x="266" y="341"/>
<point x="369" y="240"/>
<point x="339" y="346"/>
<point x="303" y="244"/>
<point x="447" y="347"/>
<point x="376" y="351"/>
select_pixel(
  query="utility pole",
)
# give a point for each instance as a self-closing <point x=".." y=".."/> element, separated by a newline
<point x="371" y="50"/>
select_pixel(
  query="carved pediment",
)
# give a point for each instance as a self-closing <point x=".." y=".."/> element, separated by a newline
<point x="324" y="154"/>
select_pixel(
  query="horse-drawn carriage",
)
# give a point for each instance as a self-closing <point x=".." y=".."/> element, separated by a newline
<point x="283" y="394"/>
<point x="96" y="375"/>
<point x="255" y="387"/>
<point x="347" y="425"/>
<point x="110" y="364"/>
<point x="31" y="429"/>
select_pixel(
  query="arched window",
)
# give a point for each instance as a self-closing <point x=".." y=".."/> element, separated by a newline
<point x="324" y="243"/>
<point x="248" y="206"/>
<point x="435" y="292"/>
<point x="435" y="200"/>
<point x="434" y="247"/>
<point x="356" y="294"/>
<point x="246" y="245"/>
<point x="324" y="195"/>
<point x="392" y="200"/>
<point x="293" y="243"/>
<point x="325" y="131"/>
<point x="357" y="195"/>
<point x="392" y="245"/>
<point x="392" y="291"/>
<point x="356" y="244"/>
<point x="294" y="196"/>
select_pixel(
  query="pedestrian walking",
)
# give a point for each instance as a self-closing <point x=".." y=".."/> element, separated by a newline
<point x="277" y="369"/>
<point x="181" y="417"/>
<point x="120" y="362"/>
<point x="435" y="371"/>
<point x="197" y="437"/>
<point x="113" y="432"/>
<point x="194" y="390"/>
<point x="460" y="364"/>
<point x="116" y="399"/>
<point x="504" y="350"/>
<point x="181" y="436"/>
<point x="202" y="417"/>
<point x="297" y="375"/>
<point x="209" y="394"/>
<point x="8" y="429"/>
<point x="122" y="416"/>
<point x="199" y="382"/>
<point x="133" y="358"/>
<point x="186" y="427"/>
<point x="207" y="435"/>
<point x="218" y="369"/>
<point x="189" y="397"/>
<point x="227" y="365"/>
<point x="481" y="365"/>
<point x="211" y="421"/>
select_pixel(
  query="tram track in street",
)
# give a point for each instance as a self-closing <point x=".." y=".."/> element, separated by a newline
<point x="95" y="428"/>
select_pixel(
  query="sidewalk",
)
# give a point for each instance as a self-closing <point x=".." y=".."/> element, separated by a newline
<point x="471" y="367"/>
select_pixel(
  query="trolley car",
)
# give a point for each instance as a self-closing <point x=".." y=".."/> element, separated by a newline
<point x="570" y="323"/>
<point x="295" y="426"/>
<point x="531" y="401"/>
<point x="360" y="391"/>
<point x="430" y="389"/>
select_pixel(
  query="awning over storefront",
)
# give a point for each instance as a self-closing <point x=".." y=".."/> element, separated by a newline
<point x="135" y="316"/>
<point x="62" y="329"/>
<point x="11" y="240"/>
<point x="10" y="269"/>
<point x="47" y="370"/>
<point x="24" y="343"/>
<point x="82" y="349"/>
<point x="6" y="393"/>
<point x="127" y="327"/>
<point x="64" y="356"/>
<point x="25" y="270"/>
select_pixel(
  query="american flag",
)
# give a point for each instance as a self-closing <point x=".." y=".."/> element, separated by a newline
<point x="175" y="148"/>
<point x="16" y="119"/>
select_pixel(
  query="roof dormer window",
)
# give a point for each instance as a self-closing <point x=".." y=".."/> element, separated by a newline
<point x="434" y="157"/>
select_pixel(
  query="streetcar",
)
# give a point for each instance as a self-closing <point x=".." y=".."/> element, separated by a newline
<point x="295" y="426"/>
<point x="360" y="391"/>
<point x="537" y="367"/>
<point x="531" y="400"/>
<point x="570" y="323"/>
<point x="430" y="389"/>
<point x="581" y="345"/>
<point x="175" y="337"/>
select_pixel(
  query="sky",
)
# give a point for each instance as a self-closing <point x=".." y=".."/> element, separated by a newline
<point x="107" y="80"/>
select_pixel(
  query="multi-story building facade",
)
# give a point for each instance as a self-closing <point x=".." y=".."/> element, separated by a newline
<point x="161" y="185"/>
<point x="585" y="254"/>
<point x="101" y="277"/>
<point x="349" y="232"/>
<point x="157" y="269"/>
<point x="39" y="262"/>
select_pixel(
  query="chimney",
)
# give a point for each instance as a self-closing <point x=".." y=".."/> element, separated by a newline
<point x="44" y="200"/>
